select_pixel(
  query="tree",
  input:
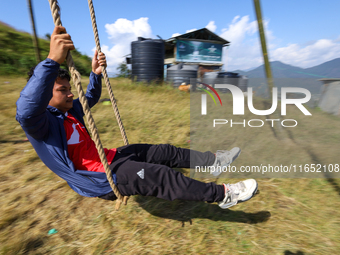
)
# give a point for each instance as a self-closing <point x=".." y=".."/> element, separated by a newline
<point x="48" y="36"/>
<point x="124" y="70"/>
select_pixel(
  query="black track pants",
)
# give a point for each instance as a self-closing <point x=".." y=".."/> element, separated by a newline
<point x="146" y="170"/>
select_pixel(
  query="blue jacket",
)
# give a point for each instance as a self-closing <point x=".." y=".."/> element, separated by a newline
<point x="43" y="125"/>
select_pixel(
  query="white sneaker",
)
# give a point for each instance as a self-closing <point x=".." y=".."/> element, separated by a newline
<point x="224" y="159"/>
<point x="239" y="192"/>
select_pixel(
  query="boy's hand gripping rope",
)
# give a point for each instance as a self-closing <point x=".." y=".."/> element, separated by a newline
<point x="77" y="82"/>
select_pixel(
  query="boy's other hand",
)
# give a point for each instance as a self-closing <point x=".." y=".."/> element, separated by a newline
<point x="98" y="61"/>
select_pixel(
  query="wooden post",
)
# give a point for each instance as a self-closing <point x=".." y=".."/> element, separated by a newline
<point x="264" y="47"/>
<point x="35" y="39"/>
<point x="277" y="131"/>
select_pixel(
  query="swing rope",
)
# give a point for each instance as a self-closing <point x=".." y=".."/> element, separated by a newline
<point x="77" y="82"/>
<point x="106" y="79"/>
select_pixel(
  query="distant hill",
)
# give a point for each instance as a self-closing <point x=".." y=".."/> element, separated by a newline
<point x="17" y="54"/>
<point x="330" y="69"/>
<point x="291" y="76"/>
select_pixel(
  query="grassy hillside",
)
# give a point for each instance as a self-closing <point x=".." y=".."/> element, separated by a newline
<point x="17" y="54"/>
<point x="289" y="216"/>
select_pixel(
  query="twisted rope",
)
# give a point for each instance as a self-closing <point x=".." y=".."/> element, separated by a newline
<point x="107" y="81"/>
<point x="77" y="82"/>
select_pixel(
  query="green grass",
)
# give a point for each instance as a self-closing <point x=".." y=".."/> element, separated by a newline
<point x="17" y="54"/>
<point x="289" y="216"/>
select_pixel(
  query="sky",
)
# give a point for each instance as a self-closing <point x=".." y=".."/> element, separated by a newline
<point x="302" y="33"/>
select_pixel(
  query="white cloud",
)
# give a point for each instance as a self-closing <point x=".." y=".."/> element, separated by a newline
<point x="211" y="26"/>
<point x="191" y="30"/>
<point x="121" y="34"/>
<point x="175" y="34"/>
<point x="188" y="31"/>
<point x="245" y="50"/>
<point x="311" y="55"/>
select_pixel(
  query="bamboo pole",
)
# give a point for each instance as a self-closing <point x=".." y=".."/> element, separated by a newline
<point x="264" y="47"/>
<point x="277" y="131"/>
<point x="35" y="38"/>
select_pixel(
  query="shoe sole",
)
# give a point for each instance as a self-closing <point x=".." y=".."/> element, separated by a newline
<point x="236" y="156"/>
<point x="255" y="192"/>
<point x="252" y="195"/>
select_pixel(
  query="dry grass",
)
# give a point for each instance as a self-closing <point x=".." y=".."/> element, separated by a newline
<point x="289" y="216"/>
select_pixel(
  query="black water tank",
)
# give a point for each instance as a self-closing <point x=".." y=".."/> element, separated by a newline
<point x="243" y="83"/>
<point x="210" y="78"/>
<point x="180" y="73"/>
<point x="147" y="59"/>
<point x="228" y="78"/>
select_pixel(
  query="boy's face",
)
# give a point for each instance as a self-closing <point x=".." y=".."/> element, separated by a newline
<point x="62" y="96"/>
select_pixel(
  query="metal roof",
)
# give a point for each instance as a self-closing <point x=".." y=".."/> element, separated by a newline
<point x="203" y="34"/>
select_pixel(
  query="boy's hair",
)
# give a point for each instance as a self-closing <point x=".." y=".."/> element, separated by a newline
<point x="62" y="74"/>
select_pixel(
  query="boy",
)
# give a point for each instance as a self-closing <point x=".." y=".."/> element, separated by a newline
<point x="53" y="123"/>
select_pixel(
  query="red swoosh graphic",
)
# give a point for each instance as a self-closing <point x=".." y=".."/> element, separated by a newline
<point x="208" y="86"/>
